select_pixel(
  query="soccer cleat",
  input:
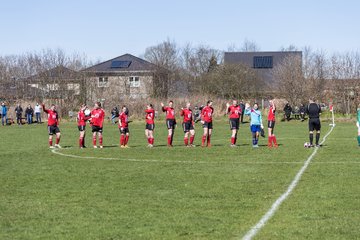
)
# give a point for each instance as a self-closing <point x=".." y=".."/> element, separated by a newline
<point x="255" y="146"/>
<point x="51" y="147"/>
<point x="275" y="145"/>
<point x="95" y="146"/>
<point x="209" y="145"/>
<point x="57" y="146"/>
<point x="101" y="147"/>
<point x="150" y="145"/>
<point x="122" y="146"/>
<point x="233" y="145"/>
<point x="126" y="146"/>
<point x="317" y="145"/>
<point x="193" y="145"/>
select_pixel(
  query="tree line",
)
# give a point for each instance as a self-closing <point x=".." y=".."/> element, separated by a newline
<point x="200" y="70"/>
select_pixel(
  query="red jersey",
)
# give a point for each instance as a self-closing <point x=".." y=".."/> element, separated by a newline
<point x="187" y="113"/>
<point x="234" y="111"/>
<point x="271" y="115"/>
<point x="81" y="118"/>
<point x="150" y="115"/>
<point x="97" y="117"/>
<point x="206" y="114"/>
<point x="53" y="117"/>
<point x="123" y="120"/>
<point x="170" y="112"/>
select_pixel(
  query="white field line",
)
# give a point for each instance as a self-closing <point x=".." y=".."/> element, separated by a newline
<point x="258" y="226"/>
<point x="164" y="161"/>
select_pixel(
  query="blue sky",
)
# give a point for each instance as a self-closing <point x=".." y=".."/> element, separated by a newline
<point x="109" y="28"/>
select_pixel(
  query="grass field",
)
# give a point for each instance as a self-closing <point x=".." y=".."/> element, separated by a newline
<point x="177" y="193"/>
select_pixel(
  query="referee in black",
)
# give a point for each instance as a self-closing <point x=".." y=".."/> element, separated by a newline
<point x="314" y="110"/>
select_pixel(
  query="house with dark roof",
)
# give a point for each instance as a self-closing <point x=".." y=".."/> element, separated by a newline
<point x="124" y="76"/>
<point x="262" y="62"/>
<point x="58" y="83"/>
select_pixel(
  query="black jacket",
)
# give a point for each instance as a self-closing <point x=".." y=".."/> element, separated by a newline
<point x="29" y="111"/>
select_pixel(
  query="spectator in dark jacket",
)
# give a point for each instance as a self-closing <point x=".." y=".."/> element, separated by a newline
<point x="242" y="106"/>
<point x="29" y="112"/>
<point x="18" y="112"/>
<point x="302" y="111"/>
<point x="287" y="110"/>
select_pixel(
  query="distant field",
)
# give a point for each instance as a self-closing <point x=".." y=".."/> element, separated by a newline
<point x="177" y="193"/>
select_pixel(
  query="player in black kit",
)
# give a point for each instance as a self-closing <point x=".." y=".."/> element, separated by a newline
<point x="314" y="110"/>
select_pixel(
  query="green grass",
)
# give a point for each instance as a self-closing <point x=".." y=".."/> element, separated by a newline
<point x="177" y="193"/>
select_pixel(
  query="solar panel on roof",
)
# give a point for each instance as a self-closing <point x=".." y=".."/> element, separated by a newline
<point x="120" y="64"/>
<point x="263" y="62"/>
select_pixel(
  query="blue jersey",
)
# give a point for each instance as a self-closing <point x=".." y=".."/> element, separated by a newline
<point x="255" y="116"/>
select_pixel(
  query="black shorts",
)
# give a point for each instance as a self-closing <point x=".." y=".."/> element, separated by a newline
<point x="314" y="124"/>
<point x="150" y="127"/>
<point x="81" y="128"/>
<point x="97" y="129"/>
<point x="271" y="124"/>
<point x="187" y="126"/>
<point x="234" y="123"/>
<point x="53" y="129"/>
<point x="208" y="125"/>
<point x="124" y="130"/>
<point x="170" y="123"/>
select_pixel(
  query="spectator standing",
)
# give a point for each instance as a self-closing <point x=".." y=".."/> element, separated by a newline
<point x="302" y="111"/>
<point x="242" y="106"/>
<point x="287" y="110"/>
<point x="29" y="111"/>
<point x="37" y="110"/>
<point x="18" y="112"/>
<point x="114" y="114"/>
<point x="3" y="114"/>
<point x="358" y="125"/>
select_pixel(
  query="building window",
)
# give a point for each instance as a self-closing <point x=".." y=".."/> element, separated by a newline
<point x="263" y="62"/>
<point x="52" y="87"/>
<point x="134" y="81"/>
<point x="74" y="87"/>
<point x="102" y="82"/>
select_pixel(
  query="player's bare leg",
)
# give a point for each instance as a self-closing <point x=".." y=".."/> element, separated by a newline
<point x="209" y="138"/>
<point x="170" y="137"/>
<point x="127" y="140"/>
<point x="58" y="135"/>
<point x="94" y="140"/>
<point x="186" y="139"/>
<point x="51" y="142"/>
<point x="192" y="137"/>
<point x="205" y="135"/>
<point x="233" y="137"/>
<point x="100" y="139"/>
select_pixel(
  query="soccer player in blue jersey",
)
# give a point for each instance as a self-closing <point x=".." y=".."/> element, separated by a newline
<point x="255" y="123"/>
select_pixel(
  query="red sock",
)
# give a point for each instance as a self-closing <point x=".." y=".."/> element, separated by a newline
<point x="186" y="141"/>
<point x="80" y="142"/>
<point x="274" y="140"/>
<point x="57" y="140"/>
<point x="50" y="142"/>
<point x="152" y="141"/>
<point x="169" y="140"/>
<point x="126" y="139"/>
<point x="192" y="139"/>
<point x="232" y="140"/>
<point x="208" y="140"/>
<point x="101" y="140"/>
<point x="203" y="139"/>
<point x="94" y="141"/>
<point x="122" y="140"/>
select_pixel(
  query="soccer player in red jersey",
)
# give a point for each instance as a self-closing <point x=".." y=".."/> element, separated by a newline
<point x="188" y="125"/>
<point x="271" y="125"/>
<point x="97" y="120"/>
<point x="150" y="124"/>
<point x="234" y="112"/>
<point x="124" y="127"/>
<point x="170" y="121"/>
<point x="206" y="120"/>
<point x="53" y="125"/>
<point x="81" y="121"/>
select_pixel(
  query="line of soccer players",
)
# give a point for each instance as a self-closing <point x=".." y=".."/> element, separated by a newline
<point x="97" y="115"/>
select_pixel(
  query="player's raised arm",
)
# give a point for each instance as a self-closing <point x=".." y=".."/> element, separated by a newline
<point x="44" y="108"/>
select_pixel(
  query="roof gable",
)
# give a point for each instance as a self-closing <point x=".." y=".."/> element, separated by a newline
<point x="124" y="63"/>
